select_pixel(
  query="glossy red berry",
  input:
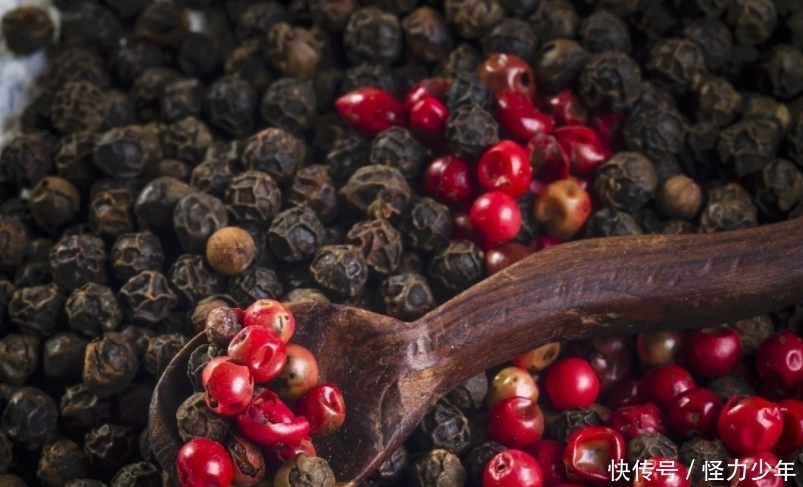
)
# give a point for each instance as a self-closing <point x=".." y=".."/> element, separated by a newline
<point x="749" y="424"/>
<point x="543" y="242"/>
<point x="427" y="119"/>
<point x="631" y="421"/>
<point x="583" y="149"/>
<point x="662" y="384"/>
<point x="792" y="436"/>
<point x="758" y="469"/>
<point x="624" y="393"/>
<point x="267" y="421"/>
<point x="495" y="217"/>
<point x="549" y="455"/>
<point x="571" y="383"/>
<point x="370" y="110"/>
<point x="324" y="408"/>
<point x="518" y="118"/>
<point x="434" y="87"/>
<point x="694" y="413"/>
<point x="505" y="167"/>
<point x="272" y="315"/>
<point x="516" y="422"/>
<point x="449" y="180"/>
<point x="204" y="463"/>
<point x="512" y="468"/>
<point x="567" y="108"/>
<point x="261" y="350"/>
<point x="609" y="129"/>
<point x="506" y="72"/>
<point x="229" y="386"/>
<point x="712" y="352"/>
<point x="779" y="359"/>
<point x="563" y="207"/>
<point x="505" y="255"/>
<point x="661" y="472"/>
<point x="589" y="453"/>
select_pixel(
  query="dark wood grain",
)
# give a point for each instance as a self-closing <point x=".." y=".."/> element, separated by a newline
<point x="391" y="372"/>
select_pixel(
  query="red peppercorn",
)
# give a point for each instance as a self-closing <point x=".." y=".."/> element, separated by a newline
<point x="427" y="120"/>
<point x="435" y="87"/>
<point x="229" y="386"/>
<point x="563" y="207"/>
<point x="202" y="462"/>
<point x="272" y="315"/>
<point x="792" y="435"/>
<point x="609" y="129"/>
<point x="567" y="108"/>
<point x="714" y="351"/>
<point x="759" y="469"/>
<point x="543" y="242"/>
<point x="589" y="453"/>
<point x="662" y="384"/>
<point x="506" y="72"/>
<point x="505" y="255"/>
<point x="631" y="421"/>
<point x="660" y="472"/>
<point x="583" y="148"/>
<point x="495" y="217"/>
<point x="261" y="350"/>
<point x="549" y="455"/>
<point x="516" y="422"/>
<point x="505" y="167"/>
<point x="694" y="413"/>
<point x="449" y="180"/>
<point x="324" y="408"/>
<point x="624" y="393"/>
<point x="548" y="160"/>
<point x="779" y="359"/>
<point x="267" y="421"/>
<point x="299" y="373"/>
<point x="512" y="468"/>
<point x="571" y="383"/>
<point x="370" y="110"/>
<point x="518" y="118"/>
<point x="749" y="424"/>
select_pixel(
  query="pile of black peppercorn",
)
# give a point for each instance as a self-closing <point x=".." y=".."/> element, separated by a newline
<point x="148" y="135"/>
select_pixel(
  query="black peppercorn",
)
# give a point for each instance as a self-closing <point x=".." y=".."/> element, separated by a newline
<point x="457" y="267"/>
<point x="510" y="36"/>
<point x="296" y="234"/>
<point x="289" y="104"/>
<point x="678" y="227"/>
<point x="477" y="459"/>
<point x="254" y="284"/>
<point x="470" y="130"/>
<point x="149" y="297"/>
<point x="245" y="62"/>
<point x="313" y="187"/>
<point x="63" y="358"/>
<point x="73" y="158"/>
<point x="124" y="152"/>
<point x="626" y="182"/>
<point x="53" y="203"/>
<point x="611" y="223"/>
<point x="340" y="270"/>
<point x="558" y="64"/>
<point x="26" y="159"/>
<point x="37" y="310"/>
<point x="463" y="58"/>
<point x="611" y="80"/>
<point x="32" y="273"/>
<point x="602" y="31"/>
<point x="649" y="445"/>
<point x="717" y="101"/>
<point x="161" y="350"/>
<point x="133" y="253"/>
<point x="729" y="207"/>
<point x="304" y="471"/>
<point x="195" y="218"/>
<point x="293" y="51"/>
<point x="140" y="474"/>
<point x="426" y="36"/>
<point x="119" y="110"/>
<point x="752" y="21"/>
<point x="84" y="483"/>
<point x="392" y="469"/>
<point x="229" y="105"/>
<point x="89" y="25"/>
<point x="437" y="468"/>
<point x="372" y="35"/>
<point x="26" y="29"/>
<point x="406" y="296"/>
<point x="196" y="420"/>
<point x="146" y="91"/>
<point x="778" y="187"/>
<point x="7" y="460"/>
<point x="187" y="139"/>
<point x="61" y="461"/>
<point x="698" y="454"/>
<point x="109" y="447"/>
<point x="380" y="244"/>
<point x="195" y="366"/>
<point x="93" y="310"/>
<point x="427" y="225"/>
<point x="571" y="420"/>
<point x="131" y="56"/>
<point x="352" y="152"/>
<point x="753" y="331"/>
<point x="192" y="279"/>
<point x="654" y="130"/>
<point x="746" y="147"/>
<point x="470" y="395"/>
<point x="257" y="18"/>
<point x="781" y="74"/>
<point x="305" y="295"/>
<point x="553" y="19"/>
<point x="368" y="75"/>
<point x="163" y="24"/>
<point x="468" y="89"/>
<point x="676" y="64"/>
<point x="19" y="357"/>
<point x="77" y="64"/>
<point x="331" y="15"/>
<point x="378" y="191"/>
<point x="81" y="410"/>
<point x="13" y="241"/>
<point x="138" y="337"/>
<point x="110" y="364"/>
<point x="29" y="418"/>
<point x="110" y="212"/>
<point x="473" y="18"/>
<point x="275" y="152"/>
<point x="155" y="202"/>
<point x="396" y="147"/>
<point x="714" y="40"/>
<point x="765" y="108"/>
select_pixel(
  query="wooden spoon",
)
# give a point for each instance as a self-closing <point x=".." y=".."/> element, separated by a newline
<point x="390" y="372"/>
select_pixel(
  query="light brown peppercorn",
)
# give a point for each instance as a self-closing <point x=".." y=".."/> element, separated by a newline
<point x="680" y="197"/>
<point x="304" y="471"/>
<point x="230" y="250"/>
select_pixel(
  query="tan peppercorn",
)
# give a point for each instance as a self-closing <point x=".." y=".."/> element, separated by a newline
<point x="539" y="358"/>
<point x="230" y="250"/>
<point x="680" y="197"/>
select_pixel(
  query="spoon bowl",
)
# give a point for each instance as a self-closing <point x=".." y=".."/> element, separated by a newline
<point x="391" y="372"/>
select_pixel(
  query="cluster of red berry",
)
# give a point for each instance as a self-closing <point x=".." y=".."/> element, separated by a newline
<point x="550" y="146"/>
<point x="669" y="399"/>
<point x="256" y="355"/>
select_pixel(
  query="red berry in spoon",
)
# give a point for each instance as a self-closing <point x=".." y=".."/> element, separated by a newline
<point x="323" y="407"/>
<point x="261" y="350"/>
<point x="204" y="463"/>
<point x="229" y="386"/>
<point x="272" y="315"/>
<point x="267" y="421"/>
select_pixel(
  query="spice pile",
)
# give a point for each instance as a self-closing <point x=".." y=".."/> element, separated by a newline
<point x="247" y="371"/>
<point x="385" y="155"/>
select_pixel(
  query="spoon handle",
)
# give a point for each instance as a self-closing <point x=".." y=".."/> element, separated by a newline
<point x="612" y="286"/>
